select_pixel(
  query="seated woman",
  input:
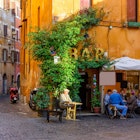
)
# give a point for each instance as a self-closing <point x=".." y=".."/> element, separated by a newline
<point x="131" y="102"/>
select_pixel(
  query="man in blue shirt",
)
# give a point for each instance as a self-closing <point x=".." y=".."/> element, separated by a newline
<point x="116" y="100"/>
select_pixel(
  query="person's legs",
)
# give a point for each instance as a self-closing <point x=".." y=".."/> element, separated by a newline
<point x="123" y="108"/>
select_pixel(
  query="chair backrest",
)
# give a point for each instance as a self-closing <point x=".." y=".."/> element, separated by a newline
<point x="56" y="103"/>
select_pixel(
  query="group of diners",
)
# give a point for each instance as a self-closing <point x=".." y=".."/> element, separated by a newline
<point x="123" y="101"/>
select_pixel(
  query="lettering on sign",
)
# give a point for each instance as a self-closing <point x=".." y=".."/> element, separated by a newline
<point x="88" y="53"/>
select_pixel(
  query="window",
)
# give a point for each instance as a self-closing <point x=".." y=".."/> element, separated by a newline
<point x="6" y="4"/>
<point x="5" y="30"/>
<point x="4" y="55"/>
<point x="12" y="56"/>
<point x="13" y="33"/>
<point x="17" y="35"/>
<point x="38" y="16"/>
<point x="132" y="10"/>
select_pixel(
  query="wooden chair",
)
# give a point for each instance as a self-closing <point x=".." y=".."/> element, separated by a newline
<point x="56" y="111"/>
<point x="115" y="112"/>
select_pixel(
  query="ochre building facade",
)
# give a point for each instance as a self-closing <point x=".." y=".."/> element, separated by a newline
<point x="118" y="35"/>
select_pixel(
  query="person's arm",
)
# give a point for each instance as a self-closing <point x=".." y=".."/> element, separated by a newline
<point x="121" y="101"/>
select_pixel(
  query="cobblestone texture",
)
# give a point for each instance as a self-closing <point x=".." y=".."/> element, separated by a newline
<point x="18" y="122"/>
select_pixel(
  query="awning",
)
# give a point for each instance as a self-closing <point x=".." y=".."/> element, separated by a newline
<point x="124" y="63"/>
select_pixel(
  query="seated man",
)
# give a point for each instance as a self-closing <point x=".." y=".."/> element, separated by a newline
<point x="106" y="102"/>
<point x="65" y="99"/>
<point x="116" y="100"/>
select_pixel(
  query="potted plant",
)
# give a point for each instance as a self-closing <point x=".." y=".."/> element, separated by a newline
<point x="95" y="101"/>
<point x="41" y="100"/>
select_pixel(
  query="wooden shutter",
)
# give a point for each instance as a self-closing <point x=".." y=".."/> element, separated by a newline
<point x="5" y="30"/>
<point x="132" y="10"/>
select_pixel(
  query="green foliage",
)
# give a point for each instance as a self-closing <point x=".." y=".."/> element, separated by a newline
<point x="41" y="99"/>
<point x="62" y="37"/>
<point x="95" y="100"/>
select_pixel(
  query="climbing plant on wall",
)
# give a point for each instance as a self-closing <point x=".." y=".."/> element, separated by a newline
<point x="57" y="42"/>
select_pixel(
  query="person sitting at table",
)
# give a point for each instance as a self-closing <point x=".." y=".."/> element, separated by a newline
<point x="66" y="103"/>
<point x="116" y="100"/>
<point x="106" y="102"/>
<point x="65" y="100"/>
<point x="123" y="95"/>
<point x="131" y="101"/>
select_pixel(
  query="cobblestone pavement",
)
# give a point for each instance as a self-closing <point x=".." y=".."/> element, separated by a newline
<point x="18" y="122"/>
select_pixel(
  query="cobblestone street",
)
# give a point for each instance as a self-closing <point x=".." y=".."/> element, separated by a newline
<point x="18" y="122"/>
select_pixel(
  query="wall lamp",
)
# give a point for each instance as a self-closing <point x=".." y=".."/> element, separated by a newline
<point x="110" y="27"/>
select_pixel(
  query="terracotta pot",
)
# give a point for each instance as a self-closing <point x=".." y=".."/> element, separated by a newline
<point x="97" y="109"/>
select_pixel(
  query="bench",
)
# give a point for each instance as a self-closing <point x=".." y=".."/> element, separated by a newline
<point x="56" y="111"/>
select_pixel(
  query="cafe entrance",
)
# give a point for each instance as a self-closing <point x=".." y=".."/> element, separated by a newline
<point x="86" y="87"/>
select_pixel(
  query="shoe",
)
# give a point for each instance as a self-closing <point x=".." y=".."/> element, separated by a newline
<point x="111" y="117"/>
<point x="122" y="118"/>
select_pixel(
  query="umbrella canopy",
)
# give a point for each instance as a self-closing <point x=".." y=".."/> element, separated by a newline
<point x="126" y="63"/>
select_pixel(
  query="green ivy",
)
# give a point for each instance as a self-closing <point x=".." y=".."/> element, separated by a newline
<point x="62" y="37"/>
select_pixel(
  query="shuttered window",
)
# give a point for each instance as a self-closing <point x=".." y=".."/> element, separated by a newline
<point x="132" y="10"/>
<point x="4" y="55"/>
<point x="5" y="30"/>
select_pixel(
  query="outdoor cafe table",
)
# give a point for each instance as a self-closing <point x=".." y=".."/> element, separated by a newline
<point x="71" y="111"/>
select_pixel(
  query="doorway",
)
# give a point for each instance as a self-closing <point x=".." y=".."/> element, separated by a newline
<point x="86" y="87"/>
<point x="5" y="89"/>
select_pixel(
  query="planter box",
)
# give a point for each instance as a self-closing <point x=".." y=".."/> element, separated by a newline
<point x="134" y="24"/>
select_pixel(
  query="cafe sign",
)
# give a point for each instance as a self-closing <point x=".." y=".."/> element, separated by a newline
<point x="87" y="53"/>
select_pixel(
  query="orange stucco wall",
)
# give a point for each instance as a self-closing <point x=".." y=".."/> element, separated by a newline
<point x="118" y="41"/>
<point x="30" y="72"/>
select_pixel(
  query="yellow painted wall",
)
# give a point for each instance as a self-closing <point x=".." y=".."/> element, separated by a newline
<point x="30" y="71"/>
<point x="64" y="8"/>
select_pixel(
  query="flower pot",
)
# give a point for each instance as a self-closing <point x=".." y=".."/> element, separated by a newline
<point x="97" y="109"/>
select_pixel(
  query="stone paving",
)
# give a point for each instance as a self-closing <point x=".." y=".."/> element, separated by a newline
<point x="19" y="122"/>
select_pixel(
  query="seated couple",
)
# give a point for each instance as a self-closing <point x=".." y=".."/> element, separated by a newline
<point x="116" y="100"/>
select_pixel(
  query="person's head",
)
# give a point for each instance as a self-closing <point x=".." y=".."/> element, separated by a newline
<point x="114" y="91"/>
<point x="66" y="91"/>
<point x="109" y="91"/>
<point x="122" y="92"/>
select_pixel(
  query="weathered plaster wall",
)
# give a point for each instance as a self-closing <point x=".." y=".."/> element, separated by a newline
<point x="118" y="41"/>
<point x="30" y="71"/>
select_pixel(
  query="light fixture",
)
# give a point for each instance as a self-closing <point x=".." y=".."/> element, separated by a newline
<point x="110" y="27"/>
<point x="56" y="59"/>
<point x="105" y="54"/>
